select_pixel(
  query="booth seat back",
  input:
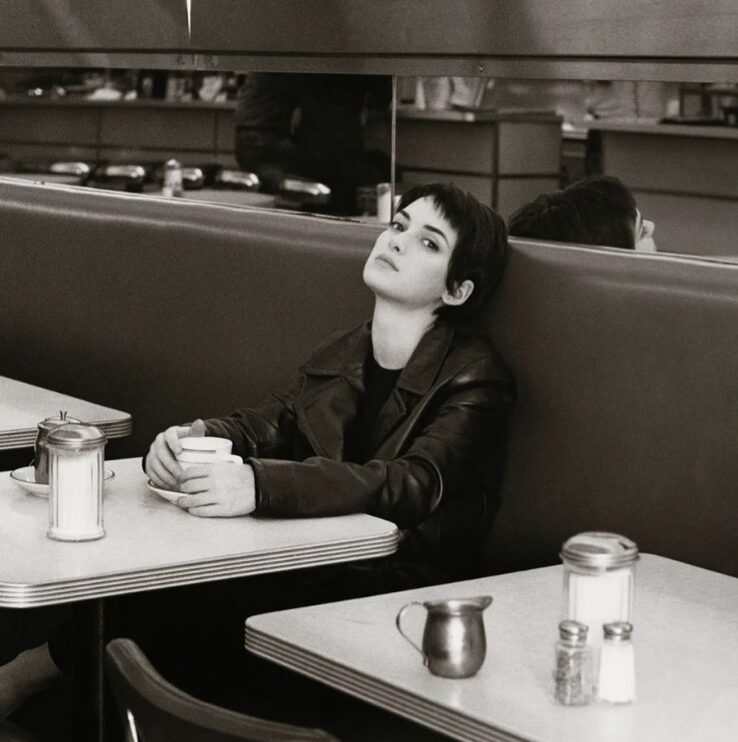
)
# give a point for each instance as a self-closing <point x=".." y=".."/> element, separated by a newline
<point x="626" y="364"/>
<point x="626" y="420"/>
<point x="168" y="309"/>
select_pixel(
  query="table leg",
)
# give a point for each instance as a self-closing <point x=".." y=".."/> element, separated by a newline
<point x="98" y="668"/>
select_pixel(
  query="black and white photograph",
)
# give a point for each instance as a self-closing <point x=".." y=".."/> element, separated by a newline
<point x="368" y="370"/>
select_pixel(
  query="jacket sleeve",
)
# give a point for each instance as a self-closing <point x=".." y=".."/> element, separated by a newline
<point x="265" y="430"/>
<point x="455" y="439"/>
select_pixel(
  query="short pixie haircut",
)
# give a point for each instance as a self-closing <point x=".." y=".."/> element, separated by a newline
<point x="599" y="210"/>
<point x="481" y="249"/>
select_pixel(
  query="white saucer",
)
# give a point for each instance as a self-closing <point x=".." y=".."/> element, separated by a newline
<point x="170" y="495"/>
<point x="25" y="477"/>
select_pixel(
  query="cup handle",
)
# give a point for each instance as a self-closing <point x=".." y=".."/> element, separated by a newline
<point x="398" y="624"/>
<point x="233" y="458"/>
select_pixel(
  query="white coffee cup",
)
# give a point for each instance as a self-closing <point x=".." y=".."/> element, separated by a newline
<point x="205" y="450"/>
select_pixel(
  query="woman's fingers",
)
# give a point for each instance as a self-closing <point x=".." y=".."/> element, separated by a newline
<point x="159" y="474"/>
<point x="194" y="479"/>
<point x="197" y="428"/>
<point x="208" y="511"/>
<point x="172" y="435"/>
<point x="188" y="502"/>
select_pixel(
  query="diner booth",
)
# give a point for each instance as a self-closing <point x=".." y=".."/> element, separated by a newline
<point x="167" y="309"/>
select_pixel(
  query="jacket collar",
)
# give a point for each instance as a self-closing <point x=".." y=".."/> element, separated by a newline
<point x="345" y="357"/>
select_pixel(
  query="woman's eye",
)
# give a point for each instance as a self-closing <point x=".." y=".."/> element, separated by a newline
<point x="396" y="226"/>
<point x="430" y="245"/>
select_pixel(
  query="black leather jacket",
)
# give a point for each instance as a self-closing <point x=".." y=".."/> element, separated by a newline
<point x="438" y="446"/>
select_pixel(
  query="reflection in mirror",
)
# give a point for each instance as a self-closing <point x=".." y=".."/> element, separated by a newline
<point x="317" y="143"/>
<point x="675" y="146"/>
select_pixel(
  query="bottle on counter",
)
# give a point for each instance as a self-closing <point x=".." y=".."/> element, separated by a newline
<point x="616" y="682"/>
<point x="573" y="672"/>
<point x="599" y="580"/>
<point x="76" y="471"/>
<point x="172" y="181"/>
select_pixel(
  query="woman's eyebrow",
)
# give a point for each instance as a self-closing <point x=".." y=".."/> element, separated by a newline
<point x="431" y="228"/>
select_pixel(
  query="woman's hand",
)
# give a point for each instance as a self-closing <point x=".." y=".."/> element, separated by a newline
<point x="219" y="490"/>
<point x="161" y="465"/>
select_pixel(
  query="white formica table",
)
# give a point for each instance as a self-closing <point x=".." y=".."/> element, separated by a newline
<point x="151" y="543"/>
<point x="685" y="632"/>
<point x="23" y="406"/>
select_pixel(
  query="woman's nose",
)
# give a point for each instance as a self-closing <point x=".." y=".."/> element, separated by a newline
<point x="396" y="243"/>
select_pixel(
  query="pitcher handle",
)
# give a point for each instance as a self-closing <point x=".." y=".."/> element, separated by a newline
<point x="398" y="624"/>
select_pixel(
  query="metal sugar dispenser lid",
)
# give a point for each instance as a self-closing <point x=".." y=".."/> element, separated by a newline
<point x="599" y="551"/>
<point x="75" y="437"/>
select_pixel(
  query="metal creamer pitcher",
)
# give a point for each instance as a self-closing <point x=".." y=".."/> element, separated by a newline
<point x="40" y="447"/>
<point x="454" y="642"/>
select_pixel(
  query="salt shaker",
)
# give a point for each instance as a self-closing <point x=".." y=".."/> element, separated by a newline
<point x="40" y="449"/>
<point x="573" y="673"/>
<point x="599" y="577"/>
<point x="76" y="472"/>
<point x="616" y="676"/>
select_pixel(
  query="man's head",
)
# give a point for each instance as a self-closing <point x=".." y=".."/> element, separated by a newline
<point x="479" y="253"/>
<point x="598" y="210"/>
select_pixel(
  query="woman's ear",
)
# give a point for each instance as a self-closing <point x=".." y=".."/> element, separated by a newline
<point x="459" y="295"/>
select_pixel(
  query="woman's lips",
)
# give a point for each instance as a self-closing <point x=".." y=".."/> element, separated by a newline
<point x="388" y="260"/>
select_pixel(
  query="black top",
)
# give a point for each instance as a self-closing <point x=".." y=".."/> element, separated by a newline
<point x="378" y="385"/>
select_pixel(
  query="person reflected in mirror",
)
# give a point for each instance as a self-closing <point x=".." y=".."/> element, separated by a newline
<point x="597" y="210"/>
<point x="315" y="126"/>
<point x="403" y="417"/>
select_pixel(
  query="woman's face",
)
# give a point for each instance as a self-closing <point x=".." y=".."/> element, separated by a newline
<point x="409" y="262"/>
<point x="644" y="230"/>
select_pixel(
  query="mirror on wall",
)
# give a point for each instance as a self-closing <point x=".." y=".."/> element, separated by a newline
<point x="317" y="143"/>
<point x="675" y="145"/>
<point x="322" y="143"/>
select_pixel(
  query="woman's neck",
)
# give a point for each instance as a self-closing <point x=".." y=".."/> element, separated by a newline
<point x="396" y="332"/>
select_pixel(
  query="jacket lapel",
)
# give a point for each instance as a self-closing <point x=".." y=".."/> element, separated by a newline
<point x="415" y="380"/>
<point x="337" y="373"/>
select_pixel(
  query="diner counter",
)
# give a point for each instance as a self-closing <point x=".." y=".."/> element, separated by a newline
<point x="655" y="127"/>
<point x="504" y="157"/>
<point x="477" y="115"/>
<point x="683" y="178"/>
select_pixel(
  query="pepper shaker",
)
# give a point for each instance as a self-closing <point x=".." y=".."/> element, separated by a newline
<point x="573" y="673"/>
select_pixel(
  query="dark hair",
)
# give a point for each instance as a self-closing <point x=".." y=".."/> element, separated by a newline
<point x="481" y="248"/>
<point x="598" y="210"/>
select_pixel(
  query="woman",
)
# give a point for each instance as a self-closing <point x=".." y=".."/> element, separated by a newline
<point x="598" y="210"/>
<point x="403" y="417"/>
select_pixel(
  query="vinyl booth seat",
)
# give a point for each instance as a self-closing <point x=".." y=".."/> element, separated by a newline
<point x="626" y="364"/>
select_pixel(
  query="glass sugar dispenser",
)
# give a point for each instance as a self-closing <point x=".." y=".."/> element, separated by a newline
<point x="76" y="473"/>
<point x="573" y="673"/>
<point x="599" y="580"/>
